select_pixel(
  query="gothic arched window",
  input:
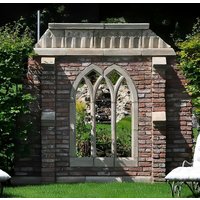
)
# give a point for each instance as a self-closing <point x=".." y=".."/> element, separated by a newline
<point x="108" y="96"/>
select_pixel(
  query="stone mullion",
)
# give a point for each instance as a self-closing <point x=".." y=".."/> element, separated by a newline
<point x="93" y="130"/>
<point x="113" y="117"/>
<point x="113" y="129"/>
<point x="93" y="119"/>
<point x="158" y="118"/>
<point x="48" y="119"/>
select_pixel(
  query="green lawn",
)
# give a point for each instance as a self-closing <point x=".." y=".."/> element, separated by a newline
<point x="94" y="190"/>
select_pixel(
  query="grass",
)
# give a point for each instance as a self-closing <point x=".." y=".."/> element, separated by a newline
<point x="94" y="190"/>
<point x="123" y="133"/>
<point x="103" y="138"/>
<point x="195" y="133"/>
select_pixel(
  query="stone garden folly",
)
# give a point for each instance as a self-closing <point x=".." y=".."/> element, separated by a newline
<point x="161" y="126"/>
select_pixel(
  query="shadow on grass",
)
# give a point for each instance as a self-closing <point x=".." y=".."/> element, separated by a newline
<point x="192" y="196"/>
<point x="10" y="196"/>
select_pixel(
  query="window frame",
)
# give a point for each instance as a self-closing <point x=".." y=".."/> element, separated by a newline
<point x="113" y="161"/>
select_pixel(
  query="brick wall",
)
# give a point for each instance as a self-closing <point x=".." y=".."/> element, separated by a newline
<point x="161" y="146"/>
<point x="179" y="118"/>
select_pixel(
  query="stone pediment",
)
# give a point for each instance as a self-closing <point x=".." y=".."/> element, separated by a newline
<point x="101" y="39"/>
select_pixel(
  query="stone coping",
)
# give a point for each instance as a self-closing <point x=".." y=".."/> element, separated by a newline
<point x="98" y="26"/>
<point x="105" y="52"/>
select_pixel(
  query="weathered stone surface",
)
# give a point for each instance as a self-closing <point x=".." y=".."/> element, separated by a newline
<point x="48" y="115"/>
<point x="108" y="40"/>
<point x="48" y="60"/>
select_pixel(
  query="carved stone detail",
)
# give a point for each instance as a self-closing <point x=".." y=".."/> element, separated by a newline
<point x="104" y="37"/>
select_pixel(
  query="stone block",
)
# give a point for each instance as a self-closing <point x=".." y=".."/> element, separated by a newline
<point x="125" y="162"/>
<point x="47" y="123"/>
<point x="24" y="180"/>
<point x="48" y="60"/>
<point x="103" y="179"/>
<point x="83" y="162"/>
<point x="104" y="162"/>
<point x="48" y="116"/>
<point x="159" y="61"/>
<point x="71" y="179"/>
<point x="137" y="179"/>
<point x="158" y="116"/>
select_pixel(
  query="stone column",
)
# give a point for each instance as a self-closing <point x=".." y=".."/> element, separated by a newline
<point x="48" y="119"/>
<point x="158" y="118"/>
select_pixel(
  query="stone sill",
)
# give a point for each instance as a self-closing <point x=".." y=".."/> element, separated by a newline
<point x="103" y="162"/>
<point x="104" y="52"/>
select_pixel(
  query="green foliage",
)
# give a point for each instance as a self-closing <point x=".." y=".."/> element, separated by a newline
<point x="114" y="20"/>
<point x="82" y="130"/>
<point x="103" y="140"/>
<point x="195" y="133"/>
<point x="123" y="132"/>
<point x="15" y="47"/>
<point x="103" y="137"/>
<point x="190" y="64"/>
<point x="113" y="76"/>
<point x="124" y="137"/>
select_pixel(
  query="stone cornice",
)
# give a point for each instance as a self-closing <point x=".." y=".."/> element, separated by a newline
<point x="104" y="52"/>
<point x="101" y="39"/>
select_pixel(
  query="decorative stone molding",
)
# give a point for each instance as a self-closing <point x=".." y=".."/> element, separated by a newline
<point x="101" y="39"/>
<point x="94" y="160"/>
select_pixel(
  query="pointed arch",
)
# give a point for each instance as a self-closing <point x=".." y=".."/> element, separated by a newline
<point x="103" y="74"/>
<point x="134" y="106"/>
<point x="82" y="74"/>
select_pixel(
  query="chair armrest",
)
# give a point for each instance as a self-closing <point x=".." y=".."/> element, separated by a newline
<point x="186" y="164"/>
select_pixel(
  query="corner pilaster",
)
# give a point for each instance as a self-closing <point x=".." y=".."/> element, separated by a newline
<point x="159" y="65"/>
<point x="48" y="88"/>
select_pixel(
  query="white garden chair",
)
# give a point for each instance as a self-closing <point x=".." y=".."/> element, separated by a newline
<point x="188" y="174"/>
<point x="3" y="177"/>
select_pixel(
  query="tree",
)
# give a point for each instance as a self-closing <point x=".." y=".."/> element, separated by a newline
<point x="190" y="64"/>
<point x="15" y="47"/>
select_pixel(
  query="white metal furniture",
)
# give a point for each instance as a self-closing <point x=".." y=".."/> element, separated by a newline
<point x="3" y="177"/>
<point x="188" y="173"/>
